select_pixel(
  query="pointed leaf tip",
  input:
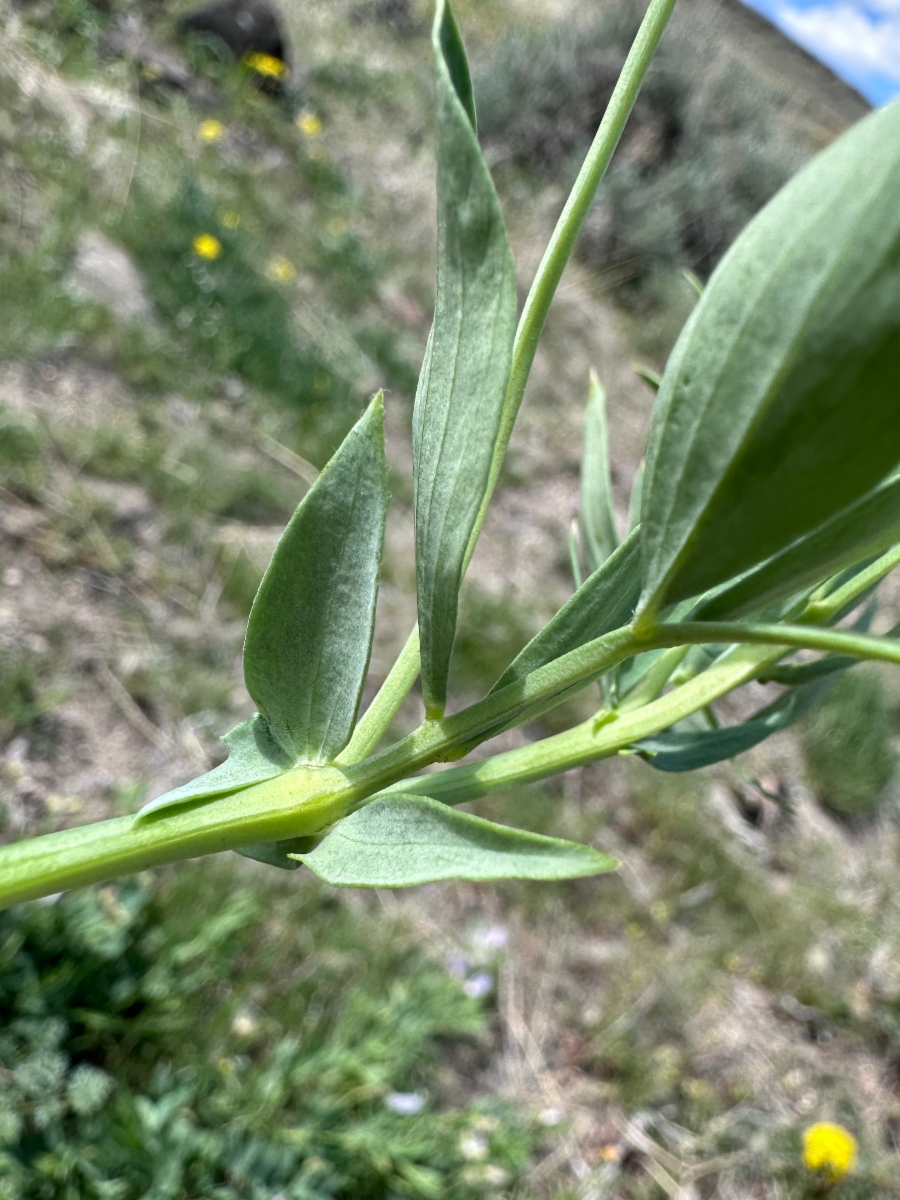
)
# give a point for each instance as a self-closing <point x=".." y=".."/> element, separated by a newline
<point x="404" y="841"/>
<point x="309" y="635"/>
<point x="459" y="400"/>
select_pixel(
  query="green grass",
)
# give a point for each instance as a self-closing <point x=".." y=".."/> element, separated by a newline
<point x="160" y="1040"/>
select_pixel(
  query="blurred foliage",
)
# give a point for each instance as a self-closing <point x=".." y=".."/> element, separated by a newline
<point x="235" y="319"/>
<point x="701" y="155"/>
<point x="847" y="744"/>
<point x="160" y="1041"/>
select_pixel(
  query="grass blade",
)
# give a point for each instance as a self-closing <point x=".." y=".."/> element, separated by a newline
<point x="596" y="516"/>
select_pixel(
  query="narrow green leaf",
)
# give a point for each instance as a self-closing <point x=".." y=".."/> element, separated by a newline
<point x="688" y="750"/>
<point x="404" y="840"/>
<point x="649" y="376"/>
<point x="605" y="601"/>
<point x="310" y="630"/>
<point x="596" y="516"/>
<point x="778" y="407"/>
<point x="864" y="530"/>
<point x="459" y="400"/>
<point x="792" y="674"/>
<point x="253" y="756"/>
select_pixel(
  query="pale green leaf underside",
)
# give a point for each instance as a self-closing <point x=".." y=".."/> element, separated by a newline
<point x="460" y="395"/>
<point x="779" y="406"/>
<point x="864" y="530"/>
<point x="403" y="841"/>
<point x="309" y="635"/>
<point x="253" y="756"/>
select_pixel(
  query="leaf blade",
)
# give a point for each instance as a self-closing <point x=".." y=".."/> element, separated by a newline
<point x="309" y="634"/>
<point x="404" y="840"/>
<point x="459" y="400"/>
<point x="254" y="756"/>
<point x="778" y="406"/>
<point x="864" y="530"/>
<point x="676" y="751"/>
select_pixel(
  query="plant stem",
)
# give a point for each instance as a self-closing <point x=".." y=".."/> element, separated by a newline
<point x="534" y="314"/>
<point x="377" y="718"/>
<point x="821" y="608"/>
<point x="306" y="799"/>
<point x="591" y="741"/>
<point x="562" y="242"/>
<point x="94" y="853"/>
<point x="801" y="637"/>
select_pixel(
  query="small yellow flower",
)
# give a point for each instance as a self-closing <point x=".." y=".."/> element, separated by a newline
<point x="231" y="219"/>
<point x="829" y="1149"/>
<point x="268" y="65"/>
<point x="207" y="245"/>
<point x="211" y="130"/>
<point x="336" y="226"/>
<point x="281" y="270"/>
<point x="308" y="123"/>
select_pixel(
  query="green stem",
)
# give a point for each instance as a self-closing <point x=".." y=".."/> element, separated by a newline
<point x="94" y="853"/>
<point x="543" y="287"/>
<point x="377" y="718"/>
<point x="822" y="608"/>
<point x="652" y="683"/>
<point x="306" y="799"/>
<point x="562" y="242"/>
<point x="801" y="637"/>
<point x="592" y="741"/>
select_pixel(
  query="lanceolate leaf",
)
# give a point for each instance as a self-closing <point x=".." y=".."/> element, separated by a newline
<point x="253" y="755"/>
<point x="402" y="841"/>
<point x="605" y="601"/>
<point x="864" y="530"/>
<point x="596" y="517"/>
<point x="674" y="750"/>
<point x="461" y="389"/>
<point x="779" y="406"/>
<point x="310" y="628"/>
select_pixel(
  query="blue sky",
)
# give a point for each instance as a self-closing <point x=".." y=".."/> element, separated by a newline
<point x="858" y="39"/>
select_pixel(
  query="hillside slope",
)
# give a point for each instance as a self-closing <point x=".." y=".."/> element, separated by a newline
<point x="162" y="410"/>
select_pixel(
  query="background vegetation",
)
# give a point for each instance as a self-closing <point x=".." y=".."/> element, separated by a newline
<point x="224" y="1031"/>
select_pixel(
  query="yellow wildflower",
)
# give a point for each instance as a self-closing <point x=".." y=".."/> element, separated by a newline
<point x="307" y="122"/>
<point x="336" y="226"/>
<point x="231" y="219"/>
<point x="207" y="245"/>
<point x="268" y="65"/>
<point x="211" y="130"/>
<point x="281" y="269"/>
<point x="829" y="1149"/>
